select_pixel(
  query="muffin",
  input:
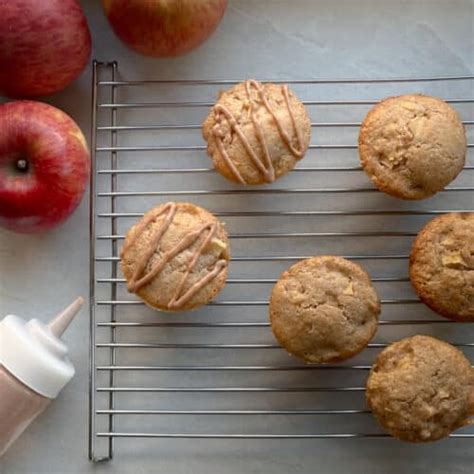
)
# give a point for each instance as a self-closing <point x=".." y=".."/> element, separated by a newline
<point x="442" y="265"/>
<point x="324" y="309"/>
<point x="256" y="132"/>
<point x="176" y="257"/>
<point x="421" y="389"/>
<point x="412" y="146"/>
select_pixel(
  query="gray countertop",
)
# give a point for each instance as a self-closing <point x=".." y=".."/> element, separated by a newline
<point x="39" y="274"/>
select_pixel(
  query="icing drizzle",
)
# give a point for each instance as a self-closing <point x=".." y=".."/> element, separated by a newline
<point x="140" y="278"/>
<point x="262" y="163"/>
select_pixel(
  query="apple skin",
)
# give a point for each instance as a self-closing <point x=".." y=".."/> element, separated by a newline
<point x="58" y="166"/>
<point x="44" y="46"/>
<point x="164" y="28"/>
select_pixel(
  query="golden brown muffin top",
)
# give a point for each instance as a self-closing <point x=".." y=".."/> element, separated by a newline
<point x="421" y="389"/>
<point x="324" y="309"/>
<point x="442" y="265"/>
<point x="412" y="146"/>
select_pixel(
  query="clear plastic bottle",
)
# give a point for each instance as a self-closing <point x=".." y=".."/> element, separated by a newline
<point x="34" y="368"/>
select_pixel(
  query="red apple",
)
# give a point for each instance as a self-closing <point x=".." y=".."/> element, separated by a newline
<point x="164" y="27"/>
<point x="44" y="46"/>
<point x="44" y="166"/>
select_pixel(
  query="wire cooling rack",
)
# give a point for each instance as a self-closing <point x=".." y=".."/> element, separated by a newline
<point x="217" y="373"/>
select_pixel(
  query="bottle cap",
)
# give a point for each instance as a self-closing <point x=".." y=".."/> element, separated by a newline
<point x="33" y="352"/>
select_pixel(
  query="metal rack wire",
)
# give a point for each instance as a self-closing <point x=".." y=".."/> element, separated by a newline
<point x="186" y="376"/>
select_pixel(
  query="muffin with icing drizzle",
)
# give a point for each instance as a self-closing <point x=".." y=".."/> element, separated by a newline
<point x="176" y="257"/>
<point x="256" y="132"/>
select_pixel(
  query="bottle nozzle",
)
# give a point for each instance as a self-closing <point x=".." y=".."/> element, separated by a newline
<point x="61" y="322"/>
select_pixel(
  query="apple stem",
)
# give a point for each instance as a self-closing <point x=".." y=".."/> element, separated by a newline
<point x="22" y="165"/>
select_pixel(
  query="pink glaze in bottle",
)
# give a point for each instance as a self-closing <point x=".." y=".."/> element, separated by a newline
<point x="34" y="368"/>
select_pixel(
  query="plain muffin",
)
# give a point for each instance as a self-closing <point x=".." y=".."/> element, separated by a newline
<point x="421" y="389"/>
<point x="442" y="265"/>
<point x="412" y="146"/>
<point x="324" y="309"/>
